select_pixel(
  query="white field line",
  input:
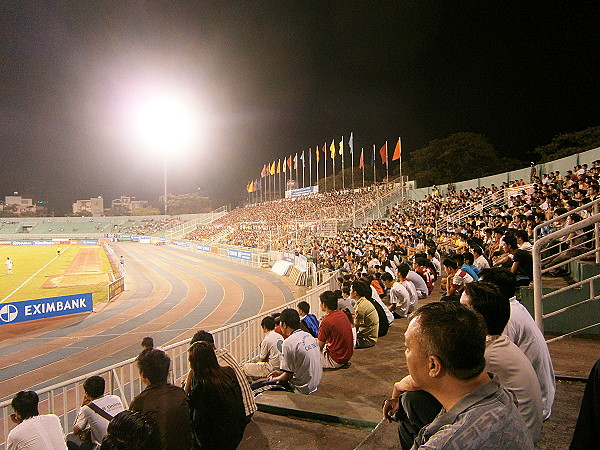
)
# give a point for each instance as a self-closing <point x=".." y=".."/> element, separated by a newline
<point x="29" y="279"/>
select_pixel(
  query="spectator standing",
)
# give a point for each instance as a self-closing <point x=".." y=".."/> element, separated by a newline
<point x="9" y="265"/>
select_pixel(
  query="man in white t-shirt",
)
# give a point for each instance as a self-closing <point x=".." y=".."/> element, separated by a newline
<point x="33" y="431"/>
<point x="9" y="265"/>
<point x="87" y="418"/>
<point x="399" y="296"/>
<point x="270" y="351"/>
<point x="301" y="368"/>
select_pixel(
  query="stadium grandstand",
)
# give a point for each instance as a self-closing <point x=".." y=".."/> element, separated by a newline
<point x="355" y="234"/>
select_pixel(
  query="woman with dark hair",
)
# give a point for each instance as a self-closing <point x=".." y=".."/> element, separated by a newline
<point x="131" y="430"/>
<point x="216" y="405"/>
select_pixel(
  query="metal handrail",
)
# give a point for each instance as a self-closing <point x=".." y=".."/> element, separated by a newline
<point x="241" y="338"/>
<point x="541" y="243"/>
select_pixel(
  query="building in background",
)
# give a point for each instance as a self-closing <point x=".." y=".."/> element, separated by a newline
<point x="93" y="207"/>
<point x="19" y="205"/>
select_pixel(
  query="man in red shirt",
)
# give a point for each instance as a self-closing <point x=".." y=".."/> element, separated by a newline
<point x="335" y="333"/>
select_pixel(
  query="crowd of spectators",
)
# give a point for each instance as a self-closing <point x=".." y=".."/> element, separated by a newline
<point x="147" y="226"/>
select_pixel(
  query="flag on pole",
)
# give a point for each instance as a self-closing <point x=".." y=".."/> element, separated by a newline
<point x="332" y="149"/>
<point x="289" y="162"/>
<point x="361" y="164"/>
<point x="351" y="145"/>
<point x="397" y="151"/>
<point x="272" y="170"/>
<point x="325" y="150"/>
<point x="295" y="161"/>
<point x="248" y="187"/>
<point x="279" y="166"/>
<point x="318" y="155"/>
<point x="302" y="159"/>
<point x="373" y="158"/>
<point x="383" y="153"/>
<point x="284" y="164"/>
<point x="342" y="147"/>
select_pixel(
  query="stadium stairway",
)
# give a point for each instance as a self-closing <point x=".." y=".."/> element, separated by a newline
<point x="345" y="412"/>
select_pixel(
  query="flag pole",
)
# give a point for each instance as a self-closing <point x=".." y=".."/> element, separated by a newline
<point x="333" y="165"/>
<point x="303" y="166"/>
<point x="310" y="166"/>
<point x="325" y="179"/>
<point x="387" y="164"/>
<point x="351" y="143"/>
<point x="374" y="162"/>
<point x="362" y="152"/>
<point x="342" y="153"/>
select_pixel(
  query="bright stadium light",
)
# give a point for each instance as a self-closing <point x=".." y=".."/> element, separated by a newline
<point x="166" y="124"/>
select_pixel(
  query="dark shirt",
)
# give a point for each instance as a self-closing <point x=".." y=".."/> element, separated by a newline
<point x="525" y="261"/>
<point x="168" y="405"/>
<point x="218" y="416"/>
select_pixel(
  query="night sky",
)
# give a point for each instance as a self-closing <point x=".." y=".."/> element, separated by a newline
<point x="275" y="78"/>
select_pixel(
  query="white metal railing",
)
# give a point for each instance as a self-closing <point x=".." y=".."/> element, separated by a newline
<point x="180" y="230"/>
<point x="242" y="339"/>
<point x="545" y="251"/>
<point x="496" y="198"/>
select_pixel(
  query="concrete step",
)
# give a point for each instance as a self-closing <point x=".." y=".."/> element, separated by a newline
<point x="323" y="409"/>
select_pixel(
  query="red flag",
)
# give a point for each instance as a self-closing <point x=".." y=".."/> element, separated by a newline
<point x="296" y="161"/>
<point x="397" y="152"/>
<point x="289" y="162"/>
<point x="383" y="153"/>
<point x="361" y="164"/>
<point x="324" y="149"/>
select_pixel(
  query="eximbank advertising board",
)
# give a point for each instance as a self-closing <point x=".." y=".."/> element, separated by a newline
<point x="43" y="308"/>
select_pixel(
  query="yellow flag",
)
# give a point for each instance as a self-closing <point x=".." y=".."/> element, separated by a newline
<point x="332" y="149"/>
<point x="279" y="166"/>
<point x="272" y="171"/>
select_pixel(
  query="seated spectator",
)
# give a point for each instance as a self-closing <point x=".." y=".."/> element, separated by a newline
<point x="33" y="431"/>
<point x="270" y="351"/>
<point x="521" y="261"/>
<point x="94" y="403"/>
<point x="225" y="358"/>
<point x="455" y="281"/>
<point x="301" y="369"/>
<point x="502" y="357"/>
<point x="445" y="346"/>
<point x="130" y="430"/>
<point x="400" y="299"/>
<point x="460" y="261"/>
<point x="335" y="334"/>
<point x="587" y="429"/>
<point x="310" y="321"/>
<point x="480" y="260"/>
<point x="523" y="331"/>
<point x="345" y="302"/>
<point x="419" y="282"/>
<point x="403" y="271"/>
<point x="427" y="273"/>
<point x="218" y="417"/>
<point x="165" y="403"/>
<point x="368" y="320"/>
<point x="147" y="343"/>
